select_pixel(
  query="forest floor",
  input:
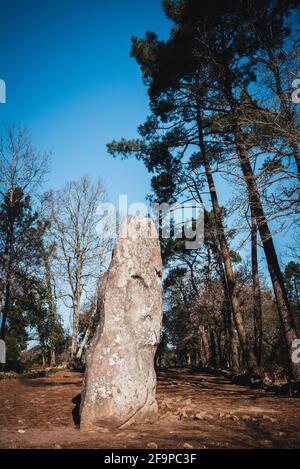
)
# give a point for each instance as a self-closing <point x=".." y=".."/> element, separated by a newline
<point x="197" y="410"/>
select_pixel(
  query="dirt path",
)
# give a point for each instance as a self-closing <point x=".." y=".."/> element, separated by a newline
<point x="197" y="410"/>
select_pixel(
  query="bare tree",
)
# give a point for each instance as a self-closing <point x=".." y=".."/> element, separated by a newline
<point x="21" y="165"/>
<point x="97" y="308"/>
<point x="73" y="218"/>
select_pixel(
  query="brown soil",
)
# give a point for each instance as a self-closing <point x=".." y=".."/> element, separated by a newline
<point x="197" y="410"/>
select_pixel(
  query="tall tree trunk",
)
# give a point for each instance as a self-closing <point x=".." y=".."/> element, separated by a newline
<point x="6" y="307"/>
<point x="220" y="360"/>
<point x="213" y="348"/>
<point x="234" y="348"/>
<point x="257" y="306"/>
<point x="188" y="359"/>
<point x="51" y="310"/>
<point x="7" y="264"/>
<point x="75" y="328"/>
<point x="76" y="306"/>
<point x="203" y="346"/>
<point x="52" y="357"/>
<point x="248" y="354"/>
<point x="84" y="341"/>
<point x="283" y="306"/>
<point x="232" y="333"/>
<point x="225" y="317"/>
<point x="97" y="309"/>
<point x="158" y="356"/>
<point x="44" y="360"/>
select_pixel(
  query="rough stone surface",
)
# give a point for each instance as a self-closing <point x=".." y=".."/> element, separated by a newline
<point x="120" y="380"/>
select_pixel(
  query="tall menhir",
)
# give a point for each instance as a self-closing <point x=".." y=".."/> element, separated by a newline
<point x="120" y="381"/>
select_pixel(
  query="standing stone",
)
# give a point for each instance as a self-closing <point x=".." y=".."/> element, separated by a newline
<point x="120" y="380"/>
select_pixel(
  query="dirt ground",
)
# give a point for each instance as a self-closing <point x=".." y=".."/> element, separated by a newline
<point x="197" y="410"/>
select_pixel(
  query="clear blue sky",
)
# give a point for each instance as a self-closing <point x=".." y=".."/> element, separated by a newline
<point x="71" y="82"/>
